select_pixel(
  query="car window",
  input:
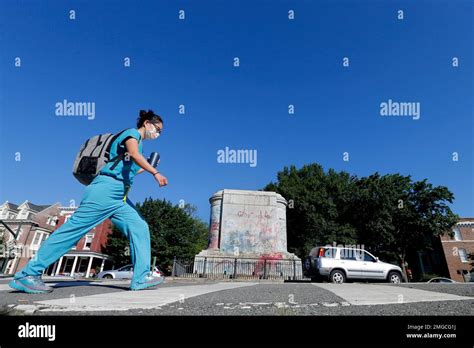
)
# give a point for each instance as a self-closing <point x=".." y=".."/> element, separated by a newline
<point x="314" y="252"/>
<point x="348" y="254"/>
<point x="125" y="269"/>
<point x="323" y="252"/>
<point x="368" y="258"/>
<point x="328" y="252"/>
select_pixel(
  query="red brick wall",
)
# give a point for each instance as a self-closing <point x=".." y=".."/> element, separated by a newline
<point x="450" y="247"/>
<point x="101" y="233"/>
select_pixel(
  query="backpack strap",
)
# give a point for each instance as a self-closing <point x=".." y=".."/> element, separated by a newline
<point x="120" y="156"/>
<point x="117" y="161"/>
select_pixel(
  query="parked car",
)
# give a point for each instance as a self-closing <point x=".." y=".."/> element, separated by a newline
<point x="440" y="280"/>
<point x="125" y="272"/>
<point x="338" y="264"/>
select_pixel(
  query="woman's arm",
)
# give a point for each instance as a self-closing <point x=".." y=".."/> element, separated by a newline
<point x="132" y="149"/>
<point x="134" y="153"/>
<point x="141" y="170"/>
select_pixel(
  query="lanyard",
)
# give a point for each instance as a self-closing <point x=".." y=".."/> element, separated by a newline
<point x="126" y="193"/>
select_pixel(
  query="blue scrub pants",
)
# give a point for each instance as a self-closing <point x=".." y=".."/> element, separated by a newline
<point x="103" y="198"/>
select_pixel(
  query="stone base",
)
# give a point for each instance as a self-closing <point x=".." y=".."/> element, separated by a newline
<point x="277" y="265"/>
<point x="247" y="237"/>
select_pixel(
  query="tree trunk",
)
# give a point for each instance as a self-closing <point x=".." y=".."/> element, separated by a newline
<point x="404" y="270"/>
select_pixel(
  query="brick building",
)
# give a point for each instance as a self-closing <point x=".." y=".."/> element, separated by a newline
<point x="24" y="227"/>
<point x="457" y="250"/>
<point x="86" y="258"/>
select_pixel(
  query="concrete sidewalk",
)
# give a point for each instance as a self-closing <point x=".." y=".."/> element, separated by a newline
<point x="127" y="300"/>
<point x="370" y="294"/>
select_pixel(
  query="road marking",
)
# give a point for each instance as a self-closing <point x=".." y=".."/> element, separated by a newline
<point x="279" y="305"/>
<point x="327" y="304"/>
<point x="125" y="300"/>
<point x="369" y="294"/>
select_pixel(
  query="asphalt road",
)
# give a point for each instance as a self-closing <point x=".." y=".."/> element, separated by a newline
<point x="206" y="297"/>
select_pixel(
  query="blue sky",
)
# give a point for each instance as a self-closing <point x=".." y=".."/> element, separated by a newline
<point x="282" y="62"/>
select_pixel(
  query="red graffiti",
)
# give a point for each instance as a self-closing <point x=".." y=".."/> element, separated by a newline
<point x="269" y="257"/>
<point x="267" y="261"/>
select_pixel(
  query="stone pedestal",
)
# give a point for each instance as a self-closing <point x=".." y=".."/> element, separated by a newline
<point x="247" y="228"/>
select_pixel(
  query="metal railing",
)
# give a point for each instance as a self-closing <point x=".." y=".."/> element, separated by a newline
<point x="238" y="268"/>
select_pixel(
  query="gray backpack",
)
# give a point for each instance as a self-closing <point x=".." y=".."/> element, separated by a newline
<point x="93" y="155"/>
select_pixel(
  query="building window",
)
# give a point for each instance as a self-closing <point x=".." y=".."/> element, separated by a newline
<point x="37" y="238"/>
<point x="45" y="235"/>
<point x="23" y="214"/>
<point x="457" y="234"/>
<point x="51" y="220"/>
<point x="463" y="255"/>
<point x="19" y="233"/>
<point x="88" y="242"/>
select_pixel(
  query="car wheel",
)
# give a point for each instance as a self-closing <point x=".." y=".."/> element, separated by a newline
<point x="337" y="277"/>
<point x="394" y="277"/>
<point x="108" y="276"/>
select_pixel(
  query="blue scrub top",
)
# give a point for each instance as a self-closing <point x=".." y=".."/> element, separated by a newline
<point x="124" y="170"/>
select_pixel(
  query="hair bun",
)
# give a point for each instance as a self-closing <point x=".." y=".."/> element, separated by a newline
<point x="148" y="115"/>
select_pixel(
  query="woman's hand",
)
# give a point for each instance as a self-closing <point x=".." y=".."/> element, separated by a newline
<point x="161" y="179"/>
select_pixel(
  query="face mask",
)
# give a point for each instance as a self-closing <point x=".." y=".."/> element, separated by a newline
<point x="151" y="134"/>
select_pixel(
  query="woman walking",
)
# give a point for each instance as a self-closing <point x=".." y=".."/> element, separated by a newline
<point x="106" y="198"/>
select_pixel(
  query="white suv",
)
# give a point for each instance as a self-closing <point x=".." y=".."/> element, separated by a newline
<point x="338" y="264"/>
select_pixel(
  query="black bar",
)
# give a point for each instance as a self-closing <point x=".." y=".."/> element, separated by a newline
<point x="308" y="331"/>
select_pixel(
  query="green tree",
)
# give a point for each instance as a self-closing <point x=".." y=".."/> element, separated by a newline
<point x="390" y="215"/>
<point x="318" y="206"/>
<point x="423" y="218"/>
<point x="174" y="231"/>
<point x="396" y="216"/>
<point x="375" y="202"/>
